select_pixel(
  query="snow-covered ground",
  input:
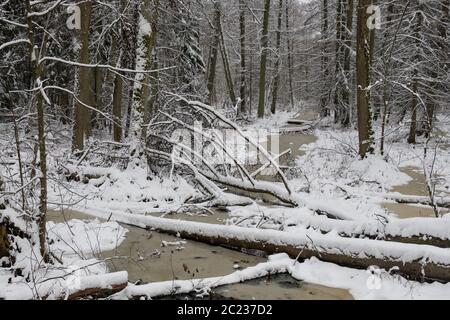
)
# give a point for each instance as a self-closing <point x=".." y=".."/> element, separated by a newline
<point x="326" y="169"/>
<point x="75" y="246"/>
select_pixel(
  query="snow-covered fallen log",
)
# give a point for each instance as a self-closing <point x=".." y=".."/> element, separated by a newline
<point x="202" y="286"/>
<point x="260" y="189"/>
<point x="361" y="284"/>
<point x="417" y="261"/>
<point x="412" y="230"/>
<point x="295" y="129"/>
<point x="443" y="202"/>
<point x="299" y="121"/>
<point x="98" y="285"/>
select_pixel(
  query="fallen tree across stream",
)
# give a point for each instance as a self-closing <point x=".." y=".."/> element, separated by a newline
<point x="99" y="286"/>
<point x="419" y="262"/>
<point x="443" y="202"/>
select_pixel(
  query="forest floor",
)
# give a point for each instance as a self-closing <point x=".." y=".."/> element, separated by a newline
<point x="84" y="235"/>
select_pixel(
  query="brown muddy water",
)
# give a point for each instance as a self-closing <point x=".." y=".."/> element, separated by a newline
<point x="288" y="141"/>
<point x="146" y="258"/>
<point x="417" y="187"/>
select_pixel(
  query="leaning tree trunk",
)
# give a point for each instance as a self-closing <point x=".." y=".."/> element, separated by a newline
<point x="226" y="65"/>
<point x="366" y="139"/>
<point x="263" y="63"/>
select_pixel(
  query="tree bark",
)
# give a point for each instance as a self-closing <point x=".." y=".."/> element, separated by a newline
<point x="226" y="64"/>
<point x="101" y="286"/>
<point x="242" y="23"/>
<point x="340" y="31"/>
<point x="364" y="111"/>
<point x="324" y="108"/>
<point x="141" y="92"/>
<point x="347" y="38"/>
<point x="214" y="53"/>
<point x="415" y="78"/>
<point x="278" y="61"/>
<point x="263" y="63"/>
<point x="289" y="56"/>
<point x="81" y="116"/>
<point x="37" y="72"/>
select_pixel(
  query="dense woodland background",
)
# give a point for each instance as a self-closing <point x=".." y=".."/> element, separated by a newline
<point x="255" y="55"/>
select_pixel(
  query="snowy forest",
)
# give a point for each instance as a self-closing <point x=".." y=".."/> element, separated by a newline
<point x="236" y="149"/>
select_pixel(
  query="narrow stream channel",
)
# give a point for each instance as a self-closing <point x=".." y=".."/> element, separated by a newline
<point x="416" y="187"/>
<point x="145" y="259"/>
<point x="153" y="257"/>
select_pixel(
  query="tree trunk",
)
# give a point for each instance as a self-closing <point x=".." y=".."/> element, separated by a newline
<point x="4" y="240"/>
<point x="81" y="114"/>
<point x="325" y="111"/>
<point x="278" y="62"/>
<point x="263" y="64"/>
<point x="415" y="78"/>
<point x="214" y="53"/>
<point x="100" y="286"/>
<point x="340" y="31"/>
<point x="289" y="57"/>
<point x="226" y="64"/>
<point x="243" y="88"/>
<point x="365" y="130"/>
<point x="117" y="108"/>
<point x="37" y="74"/>
<point x="141" y="92"/>
<point x="131" y="43"/>
<point x="387" y="56"/>
<point x="345" y="95"/>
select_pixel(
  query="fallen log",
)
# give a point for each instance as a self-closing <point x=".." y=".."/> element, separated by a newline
<point x="298" y="121"/>
<point x="422" y="231"/>
<point x="272" y="193"/>
<point x="294" y="129"/>
<point x="443" y="202"/>
<point x="176" y="287"/>
<point x="419" y="262"/>
<point x="99" y="286"/>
